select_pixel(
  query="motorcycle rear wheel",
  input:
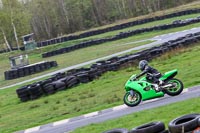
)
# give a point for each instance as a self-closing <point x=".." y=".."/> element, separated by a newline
<point x="132" y="101"/>
<point x="174" y="91"/>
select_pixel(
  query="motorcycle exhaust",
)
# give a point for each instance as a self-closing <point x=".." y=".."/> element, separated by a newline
<point x="168" y="85"/>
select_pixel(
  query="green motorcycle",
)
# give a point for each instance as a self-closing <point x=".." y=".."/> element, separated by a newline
<point x="142" y="89"/>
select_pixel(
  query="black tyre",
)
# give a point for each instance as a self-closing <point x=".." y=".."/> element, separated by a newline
<point x="26" y="71"/>
<point x="132" y="100"/>
<point x="152" y="127"/>
<point x="25" y="98"/>
<point x="21" y="90"/>
<point x="184" y="123"/>
<point x="49" y="89"/>
<point x="7" y="75"/>
<point x="44" y="82"/>
<point x="23" y="93"/>
<point x="53" y="64"/>
<point x="58" y="76"/>
<point x="59" y="85"/>
<point x="176" y="89"/>
<point x="117" y="130"/>
<point x="72" y="83"/>
<point x="35" y="91"/>
<point x="199" y="121"/>
<point x="165" y="131"/>
<point x="83" y="78"/>
<point x="69" y="78"/>
<point x="37" y="68"/>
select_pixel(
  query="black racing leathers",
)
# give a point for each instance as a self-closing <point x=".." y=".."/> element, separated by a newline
<point x="152" y="74"/>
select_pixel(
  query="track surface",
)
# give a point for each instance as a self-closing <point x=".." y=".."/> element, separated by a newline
<point x="158" y="40"/>
<point x="67" y="125"/>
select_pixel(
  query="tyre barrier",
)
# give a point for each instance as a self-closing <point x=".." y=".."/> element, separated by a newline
<point x="189" y="123"/>
<point x="29" y="70"/>
<point x="116" y="27"/>
<point x="152" y="127"/>
<point x="13" y="49"/>
<point x="117" y="130"/>
<point x="74" y="77"/>
<point x="121" y="35"/>
<point x="109" y="29"/>
<point x="186" y="123"/>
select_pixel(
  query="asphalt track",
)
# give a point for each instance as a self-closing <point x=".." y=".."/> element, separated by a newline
<point x="158" y="40"/>
<point x="68" y="125"/>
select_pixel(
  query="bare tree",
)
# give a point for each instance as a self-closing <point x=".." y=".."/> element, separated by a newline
<point x="13" y="25"/>
<point x="5" y="39"/>
<point x="51" y="18"/>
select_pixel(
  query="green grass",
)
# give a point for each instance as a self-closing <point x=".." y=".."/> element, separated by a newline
<point x="82" y="55"/>
<point x="105" y="92"/>
<point x="166" y="114"/>
<point x="72" y="58"/>
<point x="15" y="115"/>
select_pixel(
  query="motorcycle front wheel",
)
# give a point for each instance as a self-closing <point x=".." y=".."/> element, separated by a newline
<point x="134" y="100"/>
<point x="176" y="89"/>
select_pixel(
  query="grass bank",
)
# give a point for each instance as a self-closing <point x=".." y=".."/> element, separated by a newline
<point x="83" y="55"/>
<point x="72" y="58"/>
<point x="86" y="54"/>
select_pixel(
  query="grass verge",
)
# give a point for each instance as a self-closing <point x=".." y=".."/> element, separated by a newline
<point x="100" y="94"/>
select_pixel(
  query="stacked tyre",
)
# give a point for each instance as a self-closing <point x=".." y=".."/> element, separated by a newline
<point x="57" y="82"/>
<point x="53" y="87"/>
<point x="84" y="75"/>
<point x="189" y="123"/>
<point x="35" y="91"/>
<point x="186" y="124"/>
<point x="62" y="81"/>
<point x="23" y="94"/>
<point x="117" y="130"/>
<point x="71" y="81"/>
<point x="29" y="70"/>
<point x="152" y="127"/>
<point x="120" y="36"/>
<point x="116" y="27"/>
<point x="29" y="92"/>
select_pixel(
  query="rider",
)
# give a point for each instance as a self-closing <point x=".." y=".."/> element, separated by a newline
<point x="152" y="74"/>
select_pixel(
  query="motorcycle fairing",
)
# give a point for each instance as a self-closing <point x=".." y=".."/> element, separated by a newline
<point x="169" y="75"/>
<point x="142" y="83"/>
<point x="139" y="86"/>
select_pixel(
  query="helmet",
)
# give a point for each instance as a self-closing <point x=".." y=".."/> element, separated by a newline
<point x="142" y="64"/>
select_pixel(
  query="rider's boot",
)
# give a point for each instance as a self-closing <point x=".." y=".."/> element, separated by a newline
<point x="160" y="82"/>
<point x="156" y="87"/>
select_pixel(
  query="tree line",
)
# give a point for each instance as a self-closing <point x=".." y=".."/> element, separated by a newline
<point x="52" y="18"/>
